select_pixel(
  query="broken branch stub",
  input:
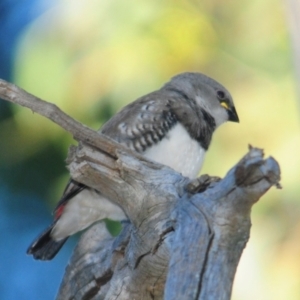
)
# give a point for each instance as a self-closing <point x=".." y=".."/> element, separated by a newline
<point x="179" y="245"/>
<point x="216" y="237"/>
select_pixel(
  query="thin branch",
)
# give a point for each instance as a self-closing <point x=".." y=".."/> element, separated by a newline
<point x="80" y="132"/>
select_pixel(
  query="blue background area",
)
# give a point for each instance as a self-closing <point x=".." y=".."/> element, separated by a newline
<point x="23" y="215"/>
<point x="21" y="277"/>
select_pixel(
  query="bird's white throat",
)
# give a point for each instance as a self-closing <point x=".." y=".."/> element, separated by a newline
<point x="178" y="151"/>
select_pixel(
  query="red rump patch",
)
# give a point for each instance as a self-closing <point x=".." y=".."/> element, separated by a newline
<point x="59" y="211"/>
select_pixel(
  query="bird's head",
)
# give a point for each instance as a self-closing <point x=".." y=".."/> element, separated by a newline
<point x="208" y="94"/>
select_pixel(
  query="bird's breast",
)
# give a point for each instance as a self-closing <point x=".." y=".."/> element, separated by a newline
<point x="178" y="151"/>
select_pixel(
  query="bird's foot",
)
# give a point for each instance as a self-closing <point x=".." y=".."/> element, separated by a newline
<point x="202" y="183"/>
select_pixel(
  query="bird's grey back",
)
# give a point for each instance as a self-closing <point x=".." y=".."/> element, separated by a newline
<point x="147" y="120"/>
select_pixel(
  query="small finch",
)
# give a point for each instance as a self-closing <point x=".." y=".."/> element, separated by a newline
<point x="172" y="126"/>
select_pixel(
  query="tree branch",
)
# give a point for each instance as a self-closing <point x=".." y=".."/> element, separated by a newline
<point x="80" y="132"/>
<point x="178" y="244"/>
<point x="194" y="240"/>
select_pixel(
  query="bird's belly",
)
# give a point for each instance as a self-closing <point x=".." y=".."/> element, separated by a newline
<point x="178" y="151"/>
<point x="84" y="209"/>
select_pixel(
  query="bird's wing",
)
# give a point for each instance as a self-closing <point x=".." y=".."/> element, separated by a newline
<point x="138" y="126"/>
<point x="143" y="123"/>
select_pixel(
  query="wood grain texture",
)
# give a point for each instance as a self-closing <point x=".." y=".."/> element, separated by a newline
<point x="177" y="244"/>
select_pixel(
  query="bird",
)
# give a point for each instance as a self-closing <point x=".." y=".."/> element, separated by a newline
<point x="172" y="126"/>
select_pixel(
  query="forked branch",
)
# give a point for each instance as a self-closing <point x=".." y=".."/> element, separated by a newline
<point x="178" y="243"/>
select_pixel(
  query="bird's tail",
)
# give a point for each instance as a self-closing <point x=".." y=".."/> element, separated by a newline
<point x="44" y="246"/>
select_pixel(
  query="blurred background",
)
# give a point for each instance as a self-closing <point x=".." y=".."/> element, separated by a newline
<point x="93" y="57"/>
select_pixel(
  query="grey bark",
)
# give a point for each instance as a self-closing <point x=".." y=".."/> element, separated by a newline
<point x="183" y="239"/>
<point x="178" y="245"/>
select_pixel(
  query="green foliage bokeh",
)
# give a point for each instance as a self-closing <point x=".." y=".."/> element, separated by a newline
<point x="91" y="58"/>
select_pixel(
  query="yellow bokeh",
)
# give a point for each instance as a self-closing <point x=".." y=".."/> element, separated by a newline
<point x="80" y="54"/>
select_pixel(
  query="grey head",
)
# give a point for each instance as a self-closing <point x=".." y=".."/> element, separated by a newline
<point x="209" y="94"/>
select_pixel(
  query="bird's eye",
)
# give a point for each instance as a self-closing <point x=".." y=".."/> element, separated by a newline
<point x="222" y="98"/>
<point x="221" y="95"/>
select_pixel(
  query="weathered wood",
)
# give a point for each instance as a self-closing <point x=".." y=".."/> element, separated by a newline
<point x="218" y="221"/>
<point x="180" y="245"/>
